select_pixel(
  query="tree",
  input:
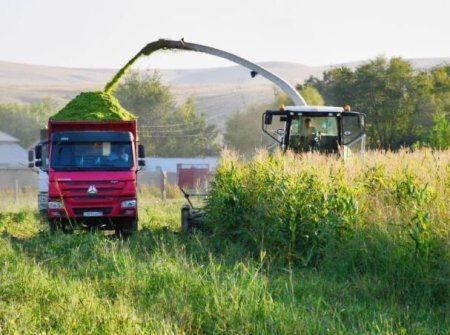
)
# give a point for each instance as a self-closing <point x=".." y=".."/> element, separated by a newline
<point x="311" y="95"/>
<point x="397" y="99"/>
<point x="385" y="91"/>
<point x="440" y="133"/>
<point x="166" y="130"/>
<point x="24" y="121"/>
<point x="144" y="95"/>
<point x="243" y="130"/>
<point x="337" y="86"/>
<point x="309" y="92"/>
<point x="188" y="133"/>
<point x="439" y="136"/>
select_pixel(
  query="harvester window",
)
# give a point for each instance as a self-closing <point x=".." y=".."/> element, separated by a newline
<point x="313" y="133"/>
<point x="325" y="125"/>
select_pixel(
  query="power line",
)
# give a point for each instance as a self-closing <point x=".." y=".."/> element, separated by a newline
<point x="178" y="124"/>
<point x="170" y="136"/>
<point x="174" y="131"/>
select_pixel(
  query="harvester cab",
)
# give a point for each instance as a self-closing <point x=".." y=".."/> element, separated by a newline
<point x="320" y="129"/>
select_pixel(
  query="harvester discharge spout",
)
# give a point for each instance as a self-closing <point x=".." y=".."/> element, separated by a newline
<point x="254" y="68"/>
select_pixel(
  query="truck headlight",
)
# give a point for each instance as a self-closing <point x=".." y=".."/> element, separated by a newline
<point x="55" y="205"/>
<point x="129" y="204"/>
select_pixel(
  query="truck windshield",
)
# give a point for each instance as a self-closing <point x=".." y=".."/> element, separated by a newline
<point x="313" y="133"/>
<point x="91" y="155"/>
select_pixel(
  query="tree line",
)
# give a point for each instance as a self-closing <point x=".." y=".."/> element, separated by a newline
<point x="404" y="107"/>
<point x="165" y="128"/>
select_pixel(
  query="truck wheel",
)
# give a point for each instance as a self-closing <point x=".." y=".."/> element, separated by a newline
<point x="53" y="226"/>
<point x="43" y="217"/>
<point x="58" y="225"/>
<point x="185" y="219"/>
<point x="125" y="229"/>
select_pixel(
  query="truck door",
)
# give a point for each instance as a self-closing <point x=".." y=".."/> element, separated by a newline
<point x="353" y="134"/>
<point x="43" y="163"/>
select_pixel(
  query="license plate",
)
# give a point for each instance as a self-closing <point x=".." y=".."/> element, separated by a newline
<point x="90" y="214"/>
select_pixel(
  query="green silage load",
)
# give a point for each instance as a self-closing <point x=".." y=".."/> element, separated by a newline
<point x="97" y="105"/>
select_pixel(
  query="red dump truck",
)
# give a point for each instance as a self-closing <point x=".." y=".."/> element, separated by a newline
<point x="92" y="169"/>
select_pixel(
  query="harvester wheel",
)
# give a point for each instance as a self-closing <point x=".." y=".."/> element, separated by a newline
<point x="185" y="219"/>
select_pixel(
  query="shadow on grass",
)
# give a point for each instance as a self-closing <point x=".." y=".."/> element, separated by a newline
<point x="82" y="251"/>
<point x="359" y="274"/>
<point x="378" y="259"/>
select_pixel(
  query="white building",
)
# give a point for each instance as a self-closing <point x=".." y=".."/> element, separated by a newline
<point x="14" y="169"/>
<point x="12" y="155"/>
<point x="170" y="164"/>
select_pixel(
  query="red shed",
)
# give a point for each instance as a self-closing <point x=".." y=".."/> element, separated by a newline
<point x="192" y="176"/>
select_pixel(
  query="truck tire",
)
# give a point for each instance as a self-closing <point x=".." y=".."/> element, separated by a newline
<point x="43" y="216"/>
<point x="58" y="225"/>
<point x="127" y="228"/>
<point x="53" y="226"/>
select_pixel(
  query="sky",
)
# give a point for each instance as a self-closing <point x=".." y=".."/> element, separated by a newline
<point x="107" y="33"/>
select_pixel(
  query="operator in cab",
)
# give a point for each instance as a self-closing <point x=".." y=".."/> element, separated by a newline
<point x="309" y="136"/>
<point x="119" y="154"/>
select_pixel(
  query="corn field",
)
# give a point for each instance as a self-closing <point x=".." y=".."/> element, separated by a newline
<point x="292" y="244"/>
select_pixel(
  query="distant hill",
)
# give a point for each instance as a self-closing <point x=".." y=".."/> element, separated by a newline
<point x="218" y="91"/>
<point x="28" y="83"/>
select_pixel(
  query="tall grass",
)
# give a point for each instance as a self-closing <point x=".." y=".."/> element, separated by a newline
<point x="384" y="217"/>
<point x="290" y="205"/>
<point x="372" y="258"/>
<point x="16" y="199"/>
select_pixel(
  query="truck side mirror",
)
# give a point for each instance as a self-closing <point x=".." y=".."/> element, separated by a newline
<point x="141" y="151"/>
<point x="268" y="118"/>
<point x="38" y="151"/>
<point x="141" y="155"/>
<point x="31" y="159"/>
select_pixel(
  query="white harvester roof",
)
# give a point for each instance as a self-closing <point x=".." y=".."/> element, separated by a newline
<point x="313" y="109"/>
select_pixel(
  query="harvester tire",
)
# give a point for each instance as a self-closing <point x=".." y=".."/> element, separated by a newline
<point x="185" y="219"/>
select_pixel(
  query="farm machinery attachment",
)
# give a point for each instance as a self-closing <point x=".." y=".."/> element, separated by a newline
<point x="192" y="216"/>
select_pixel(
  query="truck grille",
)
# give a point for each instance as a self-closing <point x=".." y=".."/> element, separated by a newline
<point x="80" y="189"/>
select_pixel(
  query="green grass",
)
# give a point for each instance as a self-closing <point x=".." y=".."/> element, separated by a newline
<point x="376" y="279"/>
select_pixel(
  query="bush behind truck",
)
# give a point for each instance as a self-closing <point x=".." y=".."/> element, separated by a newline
<point x="91" y="156"/>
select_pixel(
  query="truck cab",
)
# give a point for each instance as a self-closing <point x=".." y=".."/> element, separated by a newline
<point x="92" y="174"/>
<point x="322" y="129"/>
